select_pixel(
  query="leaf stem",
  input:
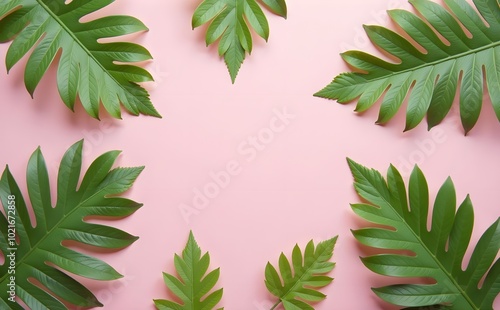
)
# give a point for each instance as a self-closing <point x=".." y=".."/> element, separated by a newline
<point x="276" y="304"/>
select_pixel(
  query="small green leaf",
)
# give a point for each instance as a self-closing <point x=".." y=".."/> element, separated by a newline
<point x="471" y="93"/>
<point x="294" y="287"/>
<point x="277" y="7"/>
<point x="256" y="18"/>
<point x="207" y="11"/>
<point x="229" y="21"/>
<point x="193" y="283"/>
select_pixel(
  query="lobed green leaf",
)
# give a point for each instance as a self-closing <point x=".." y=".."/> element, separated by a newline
<point x="194" y="287"/>
<point x="299" y="281"/>
<point x="230" y="22"/>
<point x="427" y="79"/>
<point x="437" y="252"/>
<point x="41" y="253"/>
<point x="96" y="73"/>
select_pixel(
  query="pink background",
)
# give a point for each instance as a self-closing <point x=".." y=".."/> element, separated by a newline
<point x="296" y="189"/>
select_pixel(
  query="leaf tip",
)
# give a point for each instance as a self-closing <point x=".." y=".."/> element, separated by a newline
<point x="333" y="240"/>
<point x="155" y="113"/>
<point x="318" y="94"/>
<point x="352" y="164"/>
<point x="467" y="129"/>
<point x="409" y="126"/>
<point x="139" y="168"/>
<point x="195" y="23"/>
<point x="118" y="275"/>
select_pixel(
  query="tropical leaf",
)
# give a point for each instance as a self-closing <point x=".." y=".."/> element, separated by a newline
<point x="194" y="283"/>
<point x="299" y="282"/>
<point x="436" y="253"/>
<point x="429" y="78"/>
<point x="41" y="257"/>
<point x="230" y="21"/>
<point x="93" y="71"/>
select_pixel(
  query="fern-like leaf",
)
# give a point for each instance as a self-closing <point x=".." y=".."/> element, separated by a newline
<point x="41" y="256"/>
<point x="299" y="282"/>
<point x="87" y="69"/>
<point x="428" y="78"/>
<point x="230" y="21"/>
<point x="194" y="283"/>
<point x="437" y="253"/>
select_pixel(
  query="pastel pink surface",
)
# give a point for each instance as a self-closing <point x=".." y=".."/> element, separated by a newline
<point x="295" y="189"/>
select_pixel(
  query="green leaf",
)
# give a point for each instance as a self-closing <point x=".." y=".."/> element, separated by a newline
<point x="277" y="7"/>
<point x="7" y="5"/>
<point x="429" y="79"/>
<point x="435" y="307"/>
<point x="436" y="253"/>
<point x="93" y="71"/>
<point x="39" y="250"/>
<point x="298" y="283"/>
<point x="193" y="283"/>
<point x="230" y="22"/>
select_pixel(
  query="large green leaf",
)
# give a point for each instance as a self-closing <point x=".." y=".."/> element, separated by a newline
<point x="429" y="78"/>
<point x="230" y="20"/>
<point x="436" y="253"/>
<point x="299" y="282"/>
<point x="93" y="71"/>
<point x="41" y="257"/>
<point x="194" y="284"/>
